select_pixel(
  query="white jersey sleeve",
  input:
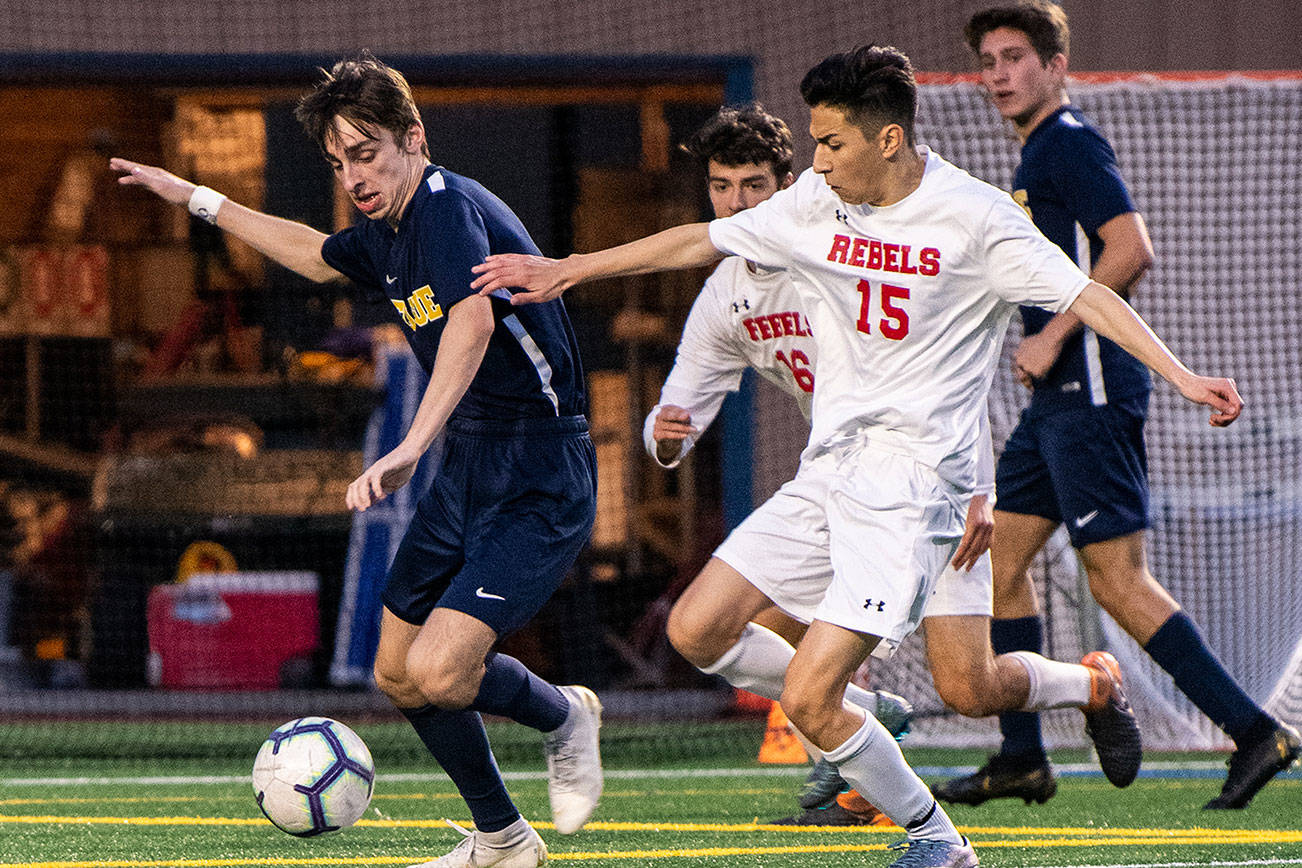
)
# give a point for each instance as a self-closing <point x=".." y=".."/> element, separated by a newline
<point x="708" y="366"/>
<point x="1024" y="267"/>
<point x="743" y="318"/>
<point x="763" y="234"/>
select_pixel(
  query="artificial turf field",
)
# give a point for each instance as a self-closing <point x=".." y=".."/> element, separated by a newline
<point x="666" y="803"/>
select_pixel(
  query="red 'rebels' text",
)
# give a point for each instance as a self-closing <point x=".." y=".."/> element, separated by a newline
<point x="776" y="325"/>
<point x="877" y="255"/>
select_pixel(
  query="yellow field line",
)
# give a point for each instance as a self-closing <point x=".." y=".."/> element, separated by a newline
<point x="1257" y="837"/>
<point x="1089" y="833"/>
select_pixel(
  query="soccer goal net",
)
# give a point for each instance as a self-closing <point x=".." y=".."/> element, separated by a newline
<point x="1212" y="162"/>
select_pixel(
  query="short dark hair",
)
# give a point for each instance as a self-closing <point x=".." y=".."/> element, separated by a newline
<point x="1044" y="23"/>
<point x="738" y="135"/>
<point x="872" y="84"/>
<point x="368" y="93"/>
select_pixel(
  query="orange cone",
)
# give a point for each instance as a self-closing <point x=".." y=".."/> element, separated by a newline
<point x="781" y="747"/>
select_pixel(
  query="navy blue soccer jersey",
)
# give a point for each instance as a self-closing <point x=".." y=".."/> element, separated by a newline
<point x="531" y="367"/>
<point x="1069" y="181"/>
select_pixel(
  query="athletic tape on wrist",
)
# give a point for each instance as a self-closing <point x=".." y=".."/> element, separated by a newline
<point x="204" y="202"/>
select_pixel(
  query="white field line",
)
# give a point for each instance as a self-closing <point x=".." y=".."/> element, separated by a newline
<point x="1082" y="769"/>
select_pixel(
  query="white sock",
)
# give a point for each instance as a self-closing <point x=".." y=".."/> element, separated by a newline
<point x="758" y="662"/>
<point x="871" y="761"/>
<point x="506" y="837"/>
<point x="1053" y="684"/>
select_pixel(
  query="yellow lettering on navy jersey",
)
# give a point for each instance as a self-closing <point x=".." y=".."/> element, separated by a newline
<point x="419" y="309"/>
<point x="402" y="312"/>
<point x="424" y="297"/>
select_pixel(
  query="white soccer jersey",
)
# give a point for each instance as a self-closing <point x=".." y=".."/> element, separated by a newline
<point x="910" y="302"/>
<point x="741" y="319"/>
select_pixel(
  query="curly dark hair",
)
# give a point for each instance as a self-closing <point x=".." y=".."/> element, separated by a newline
<point x="738" y="135"/>
<point x="1044" y="23"/>
<point x="368" y="93"/>
<point x="872" y="84"/>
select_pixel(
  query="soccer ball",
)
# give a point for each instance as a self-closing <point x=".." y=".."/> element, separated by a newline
<point x="313" y="775"/>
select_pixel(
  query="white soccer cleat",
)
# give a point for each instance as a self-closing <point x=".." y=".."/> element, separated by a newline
<point x="522" y="849"/>
<point x="574" y="776"/>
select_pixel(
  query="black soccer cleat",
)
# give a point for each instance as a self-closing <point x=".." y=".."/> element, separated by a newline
<point x="1109" y="721"/>
<point x="1252" y="767"/>
<point x="1002" y="777"/>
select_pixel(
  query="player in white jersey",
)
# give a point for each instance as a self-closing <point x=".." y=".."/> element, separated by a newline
<point x="747" y="316"/>
<point x="910" y="269"/>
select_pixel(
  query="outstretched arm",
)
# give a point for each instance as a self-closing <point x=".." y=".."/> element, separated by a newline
<point x="543" y="279"/>
<point x="1104" y="311"/>
<point x="296" y="246"/>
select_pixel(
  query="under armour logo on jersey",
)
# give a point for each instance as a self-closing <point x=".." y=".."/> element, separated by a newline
<point x="842" y="217"/>
<point x="739" y="306"/>
<point x="880" y="604"/>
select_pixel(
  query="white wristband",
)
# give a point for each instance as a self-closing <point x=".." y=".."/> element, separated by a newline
<point x="204" y="202"/>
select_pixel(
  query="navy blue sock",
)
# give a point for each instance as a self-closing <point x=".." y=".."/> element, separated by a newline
<point x="458" y="741"/>
<point x="510" y="690"/>
<point x="1021" y="729"/>
<point x="1179" y="648"/>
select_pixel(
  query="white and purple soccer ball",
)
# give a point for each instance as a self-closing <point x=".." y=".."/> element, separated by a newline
<point x="313" y="775"/>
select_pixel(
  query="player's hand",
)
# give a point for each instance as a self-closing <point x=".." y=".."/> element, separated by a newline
<point x="538" y="278"/>
<point x="381" y="479"/>
<point x="671" y="427"/>
<point x="1219" y="393"/>
<point x="159" y="181"/>
<point x="977" y="532"/>
<point x="1033" y="358"/>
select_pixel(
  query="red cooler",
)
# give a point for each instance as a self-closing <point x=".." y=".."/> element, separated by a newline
<point x="232" y="631"/>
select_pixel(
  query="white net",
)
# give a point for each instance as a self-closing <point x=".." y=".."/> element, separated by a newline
<point x="1213" y="165"/>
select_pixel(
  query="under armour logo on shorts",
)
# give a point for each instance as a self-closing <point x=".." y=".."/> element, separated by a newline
<point x="880" y="604"/>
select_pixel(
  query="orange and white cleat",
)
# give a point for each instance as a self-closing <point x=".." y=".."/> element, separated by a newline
<point x="1109" y="721"/>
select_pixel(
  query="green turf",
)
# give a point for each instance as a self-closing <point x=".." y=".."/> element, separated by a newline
<point x="668" y="819"/>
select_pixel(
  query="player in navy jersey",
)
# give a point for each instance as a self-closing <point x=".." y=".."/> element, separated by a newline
<point x="513" y="500"/>
<point x="1077" y="455"/>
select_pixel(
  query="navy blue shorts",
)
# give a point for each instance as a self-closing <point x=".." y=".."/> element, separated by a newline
<point x="1084" y="467"/>
<point x="510" y="508"/>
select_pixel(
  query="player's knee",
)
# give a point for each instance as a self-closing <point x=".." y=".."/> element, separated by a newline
<point x="393" y="683"/>
<point x="969" y="695"/>
<point x="693" y="638"/>
<point x="1115" y="590"/>
<point x="805" y="708"/>
<point x="442" y="684"/>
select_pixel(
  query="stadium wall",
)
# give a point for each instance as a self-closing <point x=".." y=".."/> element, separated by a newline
<point x="784" y="38"/>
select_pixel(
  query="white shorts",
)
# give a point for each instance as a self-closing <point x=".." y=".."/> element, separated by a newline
<point x="826" y="546"/>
